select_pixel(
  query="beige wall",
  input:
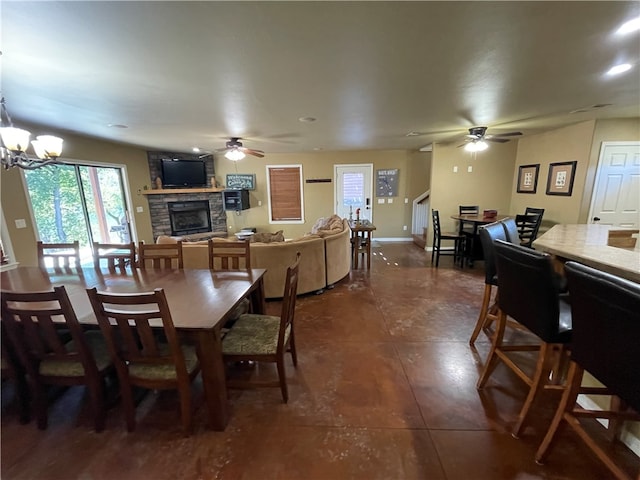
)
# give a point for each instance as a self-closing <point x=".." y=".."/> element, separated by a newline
<point x="319" y="197"/>
<point x="562" y="145"/>
<point x="488" y="185"/>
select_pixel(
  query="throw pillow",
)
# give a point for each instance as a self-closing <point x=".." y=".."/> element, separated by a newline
<point x="266" y="237"/>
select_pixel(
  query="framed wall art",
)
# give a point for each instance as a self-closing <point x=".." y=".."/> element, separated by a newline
<point x="528" y="178"/>
<point x="241" y="181"/>
<point x="560" y="180"/>
<point x="387" y="183"/>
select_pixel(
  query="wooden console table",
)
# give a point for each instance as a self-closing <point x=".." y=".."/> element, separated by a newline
<point x="361" y="236"/>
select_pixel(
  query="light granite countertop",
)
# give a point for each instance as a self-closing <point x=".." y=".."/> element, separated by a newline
<point x="587" y="244"/>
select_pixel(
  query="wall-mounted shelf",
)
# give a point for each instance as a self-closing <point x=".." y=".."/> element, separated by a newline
<point x="171" y="191"/>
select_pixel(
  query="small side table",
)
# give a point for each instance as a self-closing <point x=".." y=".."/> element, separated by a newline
<point x="361" y="236"/>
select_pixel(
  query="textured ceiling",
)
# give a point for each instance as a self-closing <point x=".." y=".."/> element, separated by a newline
<point x="184" y="74"/>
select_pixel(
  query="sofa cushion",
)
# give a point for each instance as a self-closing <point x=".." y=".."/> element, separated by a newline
<point x="265" y="237"/>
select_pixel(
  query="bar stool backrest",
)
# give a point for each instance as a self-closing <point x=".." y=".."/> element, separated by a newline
<point x="489" y="233"/>
<point x="606" y="313"/>
<point x="528" y="292"/>
<point x="511" y="229"/>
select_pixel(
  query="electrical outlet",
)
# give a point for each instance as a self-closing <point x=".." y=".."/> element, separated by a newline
<point x="259" y="203"/>
<point x="469" y="169"/>
<point x="406" y="200"/>
<point x="455" y="169"/>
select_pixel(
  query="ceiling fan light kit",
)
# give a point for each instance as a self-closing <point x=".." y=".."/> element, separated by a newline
<point x="476" y="146"/>
<point x="477" y="139"/>
<point x="234" y="150"/>
<point x="234" y="155"/>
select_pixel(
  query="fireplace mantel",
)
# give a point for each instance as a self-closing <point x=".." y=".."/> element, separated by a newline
<point x="172" y="191"/>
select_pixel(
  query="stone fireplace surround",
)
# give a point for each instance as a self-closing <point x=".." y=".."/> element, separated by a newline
<point x="158" y="204"/>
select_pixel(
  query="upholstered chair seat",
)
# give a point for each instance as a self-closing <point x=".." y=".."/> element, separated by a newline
<point x="65" y="368"/>
<point x="165" y="371"/>
<point x="253" y="335"/>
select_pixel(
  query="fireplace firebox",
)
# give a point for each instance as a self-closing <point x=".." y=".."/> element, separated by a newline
<point x="189" y="217"/>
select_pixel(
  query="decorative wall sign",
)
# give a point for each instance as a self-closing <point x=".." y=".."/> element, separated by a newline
<point x="387" y="183"/>
<point x="241" y="181"/>
<point x="528" y="178"/>
<point x="560" y="180"/>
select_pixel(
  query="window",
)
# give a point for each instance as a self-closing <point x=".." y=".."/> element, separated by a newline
<point x="284" y="186"/>
<point x="79" y="202"/>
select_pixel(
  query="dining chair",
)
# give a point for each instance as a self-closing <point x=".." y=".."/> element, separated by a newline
<point x="467" y="210"/>
<point x="229" y="254"/>
<point x="606" y="328"/>
<point x="528" y="226"/>
<point x="11" y="369"/>
<point x="266" y="338"/>
<point x="438" y="236"/>
<point x="141" y="358"/>
<point x="61" y="255"/>
<point x="160" y="255"/>
<point x="529" y="295"/>
<point x="488" y="313"/>
<point x="50" y="360"/>
<point x="117" y="255"/>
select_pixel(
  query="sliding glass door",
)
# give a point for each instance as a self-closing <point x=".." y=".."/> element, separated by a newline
<point x="79" y="202"/>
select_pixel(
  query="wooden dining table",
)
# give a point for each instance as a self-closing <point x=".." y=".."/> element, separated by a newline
<point x="200" y="302"/>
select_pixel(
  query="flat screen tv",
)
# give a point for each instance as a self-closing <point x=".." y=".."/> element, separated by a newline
<point x="183" y="173"/>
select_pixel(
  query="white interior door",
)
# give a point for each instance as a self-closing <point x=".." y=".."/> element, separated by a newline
<point x="354" y="186"/>
<point x="616" y="196"/>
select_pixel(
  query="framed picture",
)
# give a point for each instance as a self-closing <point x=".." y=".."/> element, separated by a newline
<point x="560" y="180"/>
<point x="387" y="183"/>
<point x="528" y="178"/>
<point x="241" y="181"/>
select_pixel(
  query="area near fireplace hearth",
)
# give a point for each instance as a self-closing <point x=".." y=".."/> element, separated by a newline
<point x="184" y="211"/>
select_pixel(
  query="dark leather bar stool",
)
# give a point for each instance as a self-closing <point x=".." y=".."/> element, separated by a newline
<point x="488" y="233"/>
<point x="605" y="338"/>
<point x="529" y="294"/>
<point x="511" y="230"/>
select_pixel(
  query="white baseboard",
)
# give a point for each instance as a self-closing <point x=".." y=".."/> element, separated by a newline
<point x="394" y="239"/>
<point x="626" y="437"/>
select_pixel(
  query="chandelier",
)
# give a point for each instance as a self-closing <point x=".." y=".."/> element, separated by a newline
<point x="15" y="141"/>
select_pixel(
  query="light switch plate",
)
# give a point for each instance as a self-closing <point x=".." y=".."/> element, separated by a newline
<point x="381" y="200"/>
<point x="139" y="209"/>
<point x="21" y="223"/>
<point x="389" y="200"/>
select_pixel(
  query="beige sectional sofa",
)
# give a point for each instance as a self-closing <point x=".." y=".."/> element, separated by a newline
<point x="325" y="259"/>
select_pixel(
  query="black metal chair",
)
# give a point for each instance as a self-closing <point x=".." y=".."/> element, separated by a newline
<point x="529" y="294"/>
<point x="606" y="332"/>
<point x="438" y="237"/>
<point x="488" y="233"/>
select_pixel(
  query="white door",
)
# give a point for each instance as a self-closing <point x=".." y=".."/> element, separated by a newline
<point x="354" y="185"/>
<point x="616" y="196"/>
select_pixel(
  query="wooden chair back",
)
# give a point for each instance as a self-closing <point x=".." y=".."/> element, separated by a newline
<point x="131" y="324"/>
<point x="468" y="209"/>
<point x="229" y="255"/>
<point x="117" y="255"/>
<point x="165" y="255"/>
<point x="33" y="322"/>
<point x="288" y="303"/>
<point x="63" y="255"/>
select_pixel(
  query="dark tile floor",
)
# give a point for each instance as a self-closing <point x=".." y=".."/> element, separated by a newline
<point x="384" y="389"/>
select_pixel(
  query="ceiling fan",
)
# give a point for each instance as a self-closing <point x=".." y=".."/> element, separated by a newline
<point x="476" y="139"/>
<point x="235" y="151"/>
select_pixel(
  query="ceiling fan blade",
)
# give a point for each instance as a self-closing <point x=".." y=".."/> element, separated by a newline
<point x="250" y="151"/>
<point x="497" y="140"/>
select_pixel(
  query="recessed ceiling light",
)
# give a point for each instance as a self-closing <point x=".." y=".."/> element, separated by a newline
<point x="629" y="27"/>
<point x="618" y="69"/>
<point x="307" y="119"/>
<point x="117" y="125"/>
<point x="317" y="149"/>
<point x="195" y="150"/>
